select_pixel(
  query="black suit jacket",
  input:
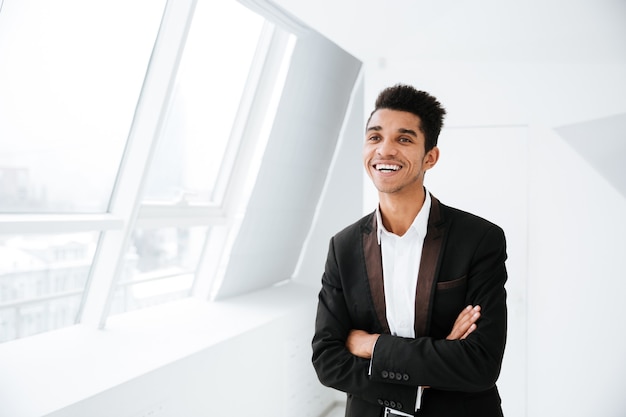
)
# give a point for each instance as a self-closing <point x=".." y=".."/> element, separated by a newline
<point x="463" y="263"/>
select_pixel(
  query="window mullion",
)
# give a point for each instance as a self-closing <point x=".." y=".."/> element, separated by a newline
<point x="145" y="129"/>
<point x="163" y="215"/>
<point x="259" y="117"/>
<point x="21" y="224"/>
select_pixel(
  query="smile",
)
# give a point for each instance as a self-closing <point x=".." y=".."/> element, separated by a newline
<point x="387" y="167"/>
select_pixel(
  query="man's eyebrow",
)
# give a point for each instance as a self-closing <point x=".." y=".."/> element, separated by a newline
<point x="400" y="130"/>
<point x="407" y="131"/>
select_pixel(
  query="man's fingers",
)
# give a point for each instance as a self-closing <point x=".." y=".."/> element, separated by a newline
<point x="468" y="316"/>
<point x="471" y="329"/>
<point x="465" y="323"/>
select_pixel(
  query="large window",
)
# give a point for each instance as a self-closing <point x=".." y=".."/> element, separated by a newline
<point x="199" y="152"/>
<point x="129" y="132"/>
<point x="42" y="278"/>
<point x="70" y="76"/>
<point x="69" y="88"/>
<point x="160" y="266"/>
<point x="198" y="132"/>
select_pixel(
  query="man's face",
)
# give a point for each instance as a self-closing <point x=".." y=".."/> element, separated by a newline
<point x="393" y="153"/>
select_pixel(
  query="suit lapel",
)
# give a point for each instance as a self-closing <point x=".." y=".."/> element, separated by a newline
<point x="426" y="278"/>
<point x="374" y="269"/>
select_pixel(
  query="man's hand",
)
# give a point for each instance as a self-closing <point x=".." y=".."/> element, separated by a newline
<point x="361" y="344"/>
<point x="465" y="323"/>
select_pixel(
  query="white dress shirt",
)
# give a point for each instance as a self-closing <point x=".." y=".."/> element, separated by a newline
<point x="401" y="256"/>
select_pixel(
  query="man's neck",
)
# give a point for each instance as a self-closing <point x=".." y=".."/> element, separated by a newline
<point x="399" y="211"/>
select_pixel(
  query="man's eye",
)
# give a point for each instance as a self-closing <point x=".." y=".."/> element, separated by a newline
<point x="374" y="138"/>
<point x="405" y="140"/>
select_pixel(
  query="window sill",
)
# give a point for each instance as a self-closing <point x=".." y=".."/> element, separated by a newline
<point x="63" y="367"/>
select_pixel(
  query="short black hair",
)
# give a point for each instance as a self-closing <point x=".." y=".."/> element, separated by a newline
<point x="407" y="98"/>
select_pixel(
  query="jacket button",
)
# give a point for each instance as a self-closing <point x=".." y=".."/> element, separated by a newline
<point x="392" y="404"/>
<point x="398" y="376"/>
<point x="380" y="402"/>
<point x="399" y="405"/>
<point x="392" y="375"/>
<point x="385" y="374"/>
<point x="405" y="377"/>
<point x="386" y="403"/>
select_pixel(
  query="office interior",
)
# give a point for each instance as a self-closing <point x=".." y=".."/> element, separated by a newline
<point x="171" y="172"/>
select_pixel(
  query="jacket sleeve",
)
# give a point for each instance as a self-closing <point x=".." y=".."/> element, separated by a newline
<point x="336" y="367"/>
<point x="469" y="365"/>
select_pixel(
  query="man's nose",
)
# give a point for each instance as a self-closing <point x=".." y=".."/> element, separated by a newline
<point x="386" y="148"/>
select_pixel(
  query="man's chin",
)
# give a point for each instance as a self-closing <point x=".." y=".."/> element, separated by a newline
<point x="389" y="189"/>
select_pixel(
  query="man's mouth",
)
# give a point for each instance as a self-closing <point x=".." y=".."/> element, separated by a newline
<point x="387" y="167"/>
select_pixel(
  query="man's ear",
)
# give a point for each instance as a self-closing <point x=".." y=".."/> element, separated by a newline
<point x="431" y="158"/>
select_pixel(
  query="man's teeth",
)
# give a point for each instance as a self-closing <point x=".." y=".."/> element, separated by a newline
<point x="387" y="168"/>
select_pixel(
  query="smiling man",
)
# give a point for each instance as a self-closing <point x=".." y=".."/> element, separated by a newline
<point x="411" y="318"/>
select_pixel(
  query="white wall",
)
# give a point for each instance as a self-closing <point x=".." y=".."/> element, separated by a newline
<point x="577" y="243"/>
<point x="340" y="203"/>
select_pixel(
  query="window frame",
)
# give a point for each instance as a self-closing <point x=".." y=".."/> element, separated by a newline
<point x="126" y="211"/>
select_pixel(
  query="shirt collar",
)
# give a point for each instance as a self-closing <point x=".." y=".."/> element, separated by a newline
<point x="420" y="223"/>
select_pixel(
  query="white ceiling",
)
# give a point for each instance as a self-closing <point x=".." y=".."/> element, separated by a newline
<point x="480" y="30"/>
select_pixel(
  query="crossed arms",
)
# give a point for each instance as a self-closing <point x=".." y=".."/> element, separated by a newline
<point x="361" y="344"/>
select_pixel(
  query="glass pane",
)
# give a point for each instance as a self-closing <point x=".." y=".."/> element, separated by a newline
<point x="160" y="266"/>
<point x="211" y="79"/>
<point x="70" y="78"/>
<point x="42" y="279"/>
